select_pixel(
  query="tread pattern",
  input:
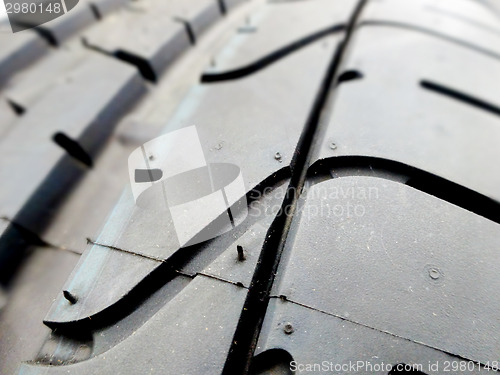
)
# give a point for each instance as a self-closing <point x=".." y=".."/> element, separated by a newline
<point x="401" y="258"/>
<point x="132" y="228"/>
<point x="423" y="129"/>
<point x="375" y="96"/>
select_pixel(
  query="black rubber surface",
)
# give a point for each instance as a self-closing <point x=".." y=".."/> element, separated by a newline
<point x="364" y="234"/>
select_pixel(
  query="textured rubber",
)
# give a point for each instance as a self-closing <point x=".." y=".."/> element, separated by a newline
<point x="365" y="132"/>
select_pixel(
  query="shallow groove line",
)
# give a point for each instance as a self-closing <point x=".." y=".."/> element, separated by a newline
<point x="35" y="239"/>
<point x="433" y="33"/>
<point x="160" y="260"/>
<point x="189" y="29"/>
<point x="272" y="57"/>
<point x="255" y="306"/>
<point x="238" y="284"/>
<point x="460" y="96"/>
<point x="375" y="329"/>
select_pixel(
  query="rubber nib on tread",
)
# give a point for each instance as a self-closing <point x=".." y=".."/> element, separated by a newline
<point x="70" y="297"/>
<point x="288" y="328"/>
<point x="241" y="255"/>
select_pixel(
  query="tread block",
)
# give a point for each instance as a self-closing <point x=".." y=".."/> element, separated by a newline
<point x="230" y="4"/>
<point x="205" y="311"/>
<point x="146" y="31"/>
<point x="234" y="136"/>
<point x="405" y="122"/>
<point x="93" y="199"/>
<point x="30" y="85"/>
<point x="64" y="27"/>
<point x="273" y="26"/>
<point x="341" y="346"/>
<point x="94" y="279"/>
<point x="199" y="14"/>
<point x="84" y="107"/>
<point x="7" y="116"/>
<point x="105" y="7"/>
<point x="228" y="266"/>
<point x="23" y="331"/>
<point x="465" y="20"/>
<point x="18" y="51"/>
<point x="389" y="257"/>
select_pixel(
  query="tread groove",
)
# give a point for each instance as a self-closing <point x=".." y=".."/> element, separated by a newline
<point x="248" y="328"/>
<point x="142" y="65"/>
<point x="18" y="109"/>
<point x="189" y="29"/>
<point x="460" y="96"/>
<point x="73" y="148"/>
<point x="349" y="75"/>
<point x="419" y="179"/>
<point x="272" y="57"/>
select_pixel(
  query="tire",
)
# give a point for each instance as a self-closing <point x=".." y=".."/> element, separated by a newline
<point x="251" y="187"/>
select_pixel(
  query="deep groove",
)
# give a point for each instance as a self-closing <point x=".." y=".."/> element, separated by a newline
<point x="73" y="148"/>
<point x="433" y="33"/>
<point x="272" y="361"/>
<point x="41" y="31"/>
<point x="460" y="96"/>
<point x="189" y="29"/>
<point x="145" y="69"/>
<point x="33" y="238"/>
<point x="18" y="109"/>
<point x="402" y="368"/>
<point x="349" y="75"/>
<point x="426" y="182"/>
<point x="254" y="310"/>
<point x="95" y="11"/>
<point x="28" y="235"/>
<point x="222" y="7"/>
<point x="45" y="34"/>
<point x="14" y="237"/>
<point x="270" y="58"/>
<point x="141" y="64"/>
